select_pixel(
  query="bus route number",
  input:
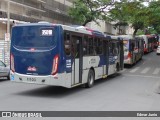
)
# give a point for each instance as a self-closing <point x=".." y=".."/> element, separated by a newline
<point x="47" y="32"/>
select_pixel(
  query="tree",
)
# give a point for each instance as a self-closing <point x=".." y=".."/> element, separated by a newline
<point x="129" y="12"/>
<point x="117" y="15"/>
<point x="123" y="12"/>
<point x="154" y="15"/>
<point x="85" y="11"/>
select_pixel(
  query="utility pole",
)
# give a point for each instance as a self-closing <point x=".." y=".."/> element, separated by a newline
<point x="64" y="10"/>
<point x="7" y="35"/>
<point x="8" y="17"/>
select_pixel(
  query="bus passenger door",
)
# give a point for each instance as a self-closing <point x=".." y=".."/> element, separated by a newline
<point x="77" y="59"/>
<point x="121" y="55"/>
<point x="106" y="54"/>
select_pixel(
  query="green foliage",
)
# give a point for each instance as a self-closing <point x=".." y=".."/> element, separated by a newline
<point x="85" y="11"/>
<point x="140" y="32"/>
<point x="154" y="15"/>
<point x="129" y="12"/>
<point x="123" y="12"/>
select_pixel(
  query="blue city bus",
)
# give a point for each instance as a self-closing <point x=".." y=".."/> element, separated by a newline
<point x="60" y="55"/>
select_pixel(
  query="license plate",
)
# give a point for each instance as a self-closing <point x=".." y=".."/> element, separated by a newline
<point x="31" y="79"/>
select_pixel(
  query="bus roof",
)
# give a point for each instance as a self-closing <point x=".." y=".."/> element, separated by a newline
<point x="139" y="37"/>
<point x="116" y="38"/>
<point x="74" y="28"/>
<point x="126" y="37"/>
<point x="83" y="28"/>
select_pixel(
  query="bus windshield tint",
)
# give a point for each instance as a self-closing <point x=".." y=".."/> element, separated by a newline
<point x="33" y="36"/>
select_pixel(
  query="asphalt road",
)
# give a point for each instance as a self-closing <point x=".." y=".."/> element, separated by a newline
<point x="136" y="88"/>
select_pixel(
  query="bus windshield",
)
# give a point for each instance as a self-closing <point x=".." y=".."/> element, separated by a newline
<point x="33" y="36"/>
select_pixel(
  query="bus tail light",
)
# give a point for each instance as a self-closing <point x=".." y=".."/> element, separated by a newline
<point x="144" y="45"/>
<point x="129" y="55"/>
<point x="55" y="65"/>
<point x="12" y="63"/>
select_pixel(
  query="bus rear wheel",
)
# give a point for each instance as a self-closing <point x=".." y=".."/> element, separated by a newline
<point x="90" y="80"/>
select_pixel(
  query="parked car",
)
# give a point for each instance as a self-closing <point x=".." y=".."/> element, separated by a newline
<point x="4" y="70"/>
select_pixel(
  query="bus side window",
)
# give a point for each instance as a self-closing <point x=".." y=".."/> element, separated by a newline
<point x="90" y="47"/>
<point x="115" y="49"/>
<point x="67" y="44"/>
<point x="138" y="46"/>
<point x="76" y="50"/>
<point x="132" y="46"/>
<point x="99" y="47"/>
<point x="110" y="49"/>
<point x="85" y="46"/>
<point x="95" y="45"/>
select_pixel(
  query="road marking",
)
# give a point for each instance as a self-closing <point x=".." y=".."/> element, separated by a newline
<point x="156" y="71"/>
<point x="145" y="70"/>
<point x="141" y="76"/>
<point x="134" y="70"/>
<point x="124" y="69"/>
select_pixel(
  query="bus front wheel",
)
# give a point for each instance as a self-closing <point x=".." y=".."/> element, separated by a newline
<point x="90" y="80"/>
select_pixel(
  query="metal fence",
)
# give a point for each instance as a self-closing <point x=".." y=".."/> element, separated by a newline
<point x="5" y="51"/>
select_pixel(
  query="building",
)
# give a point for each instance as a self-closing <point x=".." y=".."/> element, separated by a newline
<point x="21" y="11"/>
<point x="54" y="11"/>
<point x="109" y="29"/>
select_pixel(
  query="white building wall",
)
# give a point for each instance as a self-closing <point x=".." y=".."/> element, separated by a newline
<point x="68" y="3"/>
<point x="129" y="30"/>
<point x="108" y="28"/>
<point x="104" y="27"/>
<point x="100" y="27"/>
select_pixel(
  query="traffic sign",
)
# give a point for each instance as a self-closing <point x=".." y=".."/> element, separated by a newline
<point x="7" y="36"/>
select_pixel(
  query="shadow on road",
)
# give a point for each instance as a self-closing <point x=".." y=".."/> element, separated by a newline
<point x="104" y="82"/>
<point x="50" y="91"/>
<point x="59" y="92"/>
